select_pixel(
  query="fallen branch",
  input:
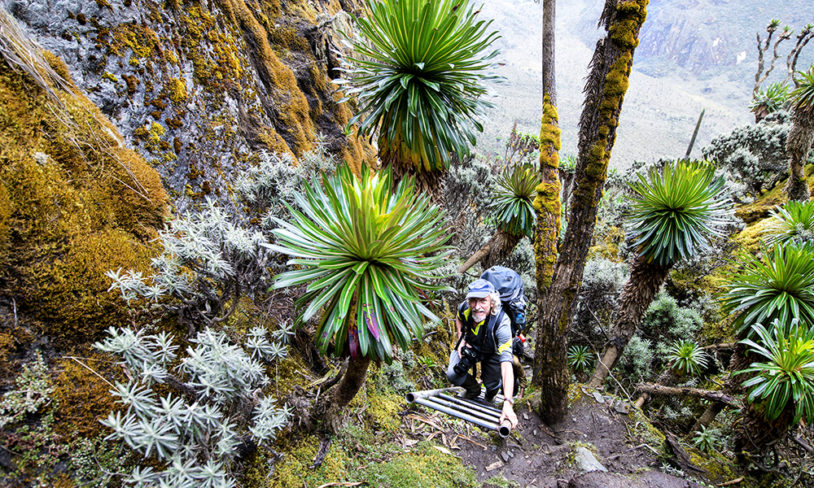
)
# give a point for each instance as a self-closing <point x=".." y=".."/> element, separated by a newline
<point x="716" y="396"/>
<point x="805" y="445"/>
<point x="354" y="483"/>
<point x="723" y="345"/>
<point x="732" y="482"/>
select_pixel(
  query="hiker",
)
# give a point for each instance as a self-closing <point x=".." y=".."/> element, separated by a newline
<point x="509" y="285"/>
<point x="485" y="337"/>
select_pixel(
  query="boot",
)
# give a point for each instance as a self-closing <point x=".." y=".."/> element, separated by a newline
<point x="472" y="387"/>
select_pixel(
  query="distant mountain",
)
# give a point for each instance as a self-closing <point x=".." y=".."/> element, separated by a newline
<point x="694" y="55"/>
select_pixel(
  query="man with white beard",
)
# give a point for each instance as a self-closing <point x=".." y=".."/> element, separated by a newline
<point x="485" y="336"/>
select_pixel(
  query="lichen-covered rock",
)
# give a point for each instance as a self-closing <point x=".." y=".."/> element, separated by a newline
<point x="199" y="88"/>
<point x="74" y="203"/>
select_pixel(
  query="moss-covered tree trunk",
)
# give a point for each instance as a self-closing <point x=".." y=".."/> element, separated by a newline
<point x="605" y="90"/>
<point x="547" y="203"/>
<point x="798" y="144"/>
<point x="642" y="286"/>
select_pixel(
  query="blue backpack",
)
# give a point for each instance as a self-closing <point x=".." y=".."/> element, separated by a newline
<point x="510" y="287"/>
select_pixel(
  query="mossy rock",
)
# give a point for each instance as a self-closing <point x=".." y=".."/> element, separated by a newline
<point x="74" y="203"/>
<point x="770" y="200"/>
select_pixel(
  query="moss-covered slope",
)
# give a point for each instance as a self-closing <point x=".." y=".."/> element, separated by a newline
<point x="199" y="88"/>
<point x="74" y="203"/>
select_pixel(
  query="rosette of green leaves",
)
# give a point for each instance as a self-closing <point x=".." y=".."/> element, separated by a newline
<point x="787" y="375"/>
<point x="803" y="96"/>
<point x="417" y="73"/>
<point x="772" y="98"/>
<point x="514" y="192"/>
<point x="579" y="357"/>
<point x="676" y="210"/>
<point x="777" y="285"/>
<point x="792" y="223"/>
<point x="687" y="357"/>
<point x="359" y="246"/>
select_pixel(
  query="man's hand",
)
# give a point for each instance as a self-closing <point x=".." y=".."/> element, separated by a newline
<point x="508" y="414"/>
<point x="461" y="349"/>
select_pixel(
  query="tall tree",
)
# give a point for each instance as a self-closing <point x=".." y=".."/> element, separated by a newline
<point x="418" y="73"/>
<point x="675" y="212"/>
<point x="801" y="135"/>
<point x="547" y="203"/>
<point x="605" y="91"/>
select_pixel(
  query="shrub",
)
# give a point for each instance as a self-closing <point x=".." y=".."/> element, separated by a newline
<point x="792" y="223"/>
<point x="418" y="71"/>
<point x="637" y="360"/>
<point x="665" y="322"/>
<point x="579" y="358"/>
<point x="754" y="154"/>
<point x="208" y="262"/>
<point x="777" y="285"/>
<point x="515" y="189"/>
<point x="602" y="281"/>
<point x="687" y="357"/>
<point x="707" y="439"/>
<point x="198" y="434"/>
<point x="366" y="251"/>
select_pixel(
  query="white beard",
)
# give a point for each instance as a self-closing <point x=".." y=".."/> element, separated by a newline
<point x="479" y="317"/>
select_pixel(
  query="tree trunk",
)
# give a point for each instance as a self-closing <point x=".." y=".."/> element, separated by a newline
<point x="715" y="396"/>
<point x="732" y="386"/>
<point x="338" y="397"/>
<point x="429" y="182"/>
<point x="667" y="377"/>
<point x="644" y="282"/>
<point x="495" y="251"/>
<point x="754" y="434"/>
<point x="798" y="143"/>
<point x="605" y="90"/>
<point x="547" y="204"/>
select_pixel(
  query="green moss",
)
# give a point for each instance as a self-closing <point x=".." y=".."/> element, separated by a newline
<point x="383" y="409"/>
<point x="83" y="397"/>
<point x="644" y="430"/>
<point x="770" y="200"/>
<point x="110" y="77"/>
<point x="289" y="38"/>
<point x="78" y="205"/>
<point x="631" y="15"/>
<point x="296" y="470"/>
<point x="607" y="246"/>
<point x="425" y="467"/>
<point x="547" y="202"/>
<point x="719" y="468"/>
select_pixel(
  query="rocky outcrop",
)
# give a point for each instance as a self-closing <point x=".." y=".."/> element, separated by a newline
<point x="75" y="202"/>
<point x="198" y="88"/>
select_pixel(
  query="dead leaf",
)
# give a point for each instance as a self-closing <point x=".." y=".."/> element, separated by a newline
<point x="494" y="466"/>
<point x="443" y="449"/>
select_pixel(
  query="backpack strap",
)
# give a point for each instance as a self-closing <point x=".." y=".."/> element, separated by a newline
<point x="493" y="325"/>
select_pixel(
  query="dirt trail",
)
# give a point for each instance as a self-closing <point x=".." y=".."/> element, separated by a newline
<point x="541" y="457"/>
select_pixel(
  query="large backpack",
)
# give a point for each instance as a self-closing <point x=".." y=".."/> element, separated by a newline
<point x="510" y="287"/>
